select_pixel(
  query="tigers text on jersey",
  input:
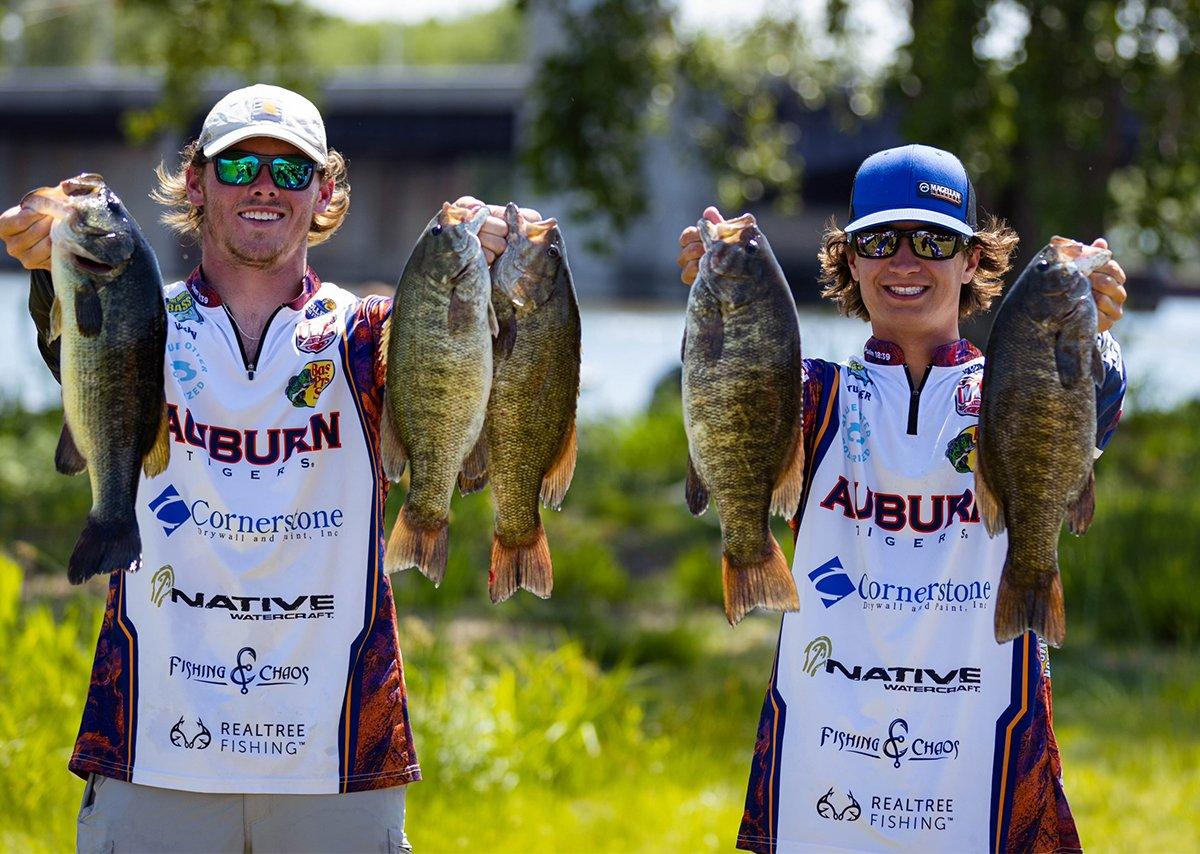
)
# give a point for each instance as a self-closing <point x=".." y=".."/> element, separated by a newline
<point x="256" y="650"/>
<point x="894" y="721"/>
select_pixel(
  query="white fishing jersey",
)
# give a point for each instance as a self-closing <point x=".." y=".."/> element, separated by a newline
<point x="256" y="649"/>
<point x="893" y="720"/>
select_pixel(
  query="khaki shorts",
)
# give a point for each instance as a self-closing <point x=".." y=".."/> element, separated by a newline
<point x="123" y="817"/>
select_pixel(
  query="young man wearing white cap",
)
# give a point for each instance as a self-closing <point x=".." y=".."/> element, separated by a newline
<point x="893" y="720"/>
<point x="248" y="691"/>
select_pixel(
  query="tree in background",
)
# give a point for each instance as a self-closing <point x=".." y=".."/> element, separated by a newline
<point x="1075" y="115"/>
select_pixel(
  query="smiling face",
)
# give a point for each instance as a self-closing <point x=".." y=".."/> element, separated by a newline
<point x="907" y="296"/>
<point x="258" y="225"/>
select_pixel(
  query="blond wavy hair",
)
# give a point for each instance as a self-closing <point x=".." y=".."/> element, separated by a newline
<point x="185" y="218"/>
<point x="996" y="243"/>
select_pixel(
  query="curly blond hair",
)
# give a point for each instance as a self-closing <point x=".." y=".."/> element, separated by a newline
<point x="996" y="243"/>
<point x="185" y="219"/>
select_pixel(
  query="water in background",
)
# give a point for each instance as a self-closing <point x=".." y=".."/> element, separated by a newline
<point x="627" y="351"/>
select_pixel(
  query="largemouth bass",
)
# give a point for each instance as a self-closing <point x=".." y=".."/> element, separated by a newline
<point x="1037" y="431"/>
<point x="742" y="399"/>
<point x="439" y="375"/>
<point x="530" y="425"/>
<point x="108" y="310"/>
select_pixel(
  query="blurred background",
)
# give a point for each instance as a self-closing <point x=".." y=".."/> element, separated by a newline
<point x="621" y="714"/>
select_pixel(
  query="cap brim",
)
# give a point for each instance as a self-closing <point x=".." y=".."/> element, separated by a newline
<point x="271" y="130"/>
<point x="911" y="215"/>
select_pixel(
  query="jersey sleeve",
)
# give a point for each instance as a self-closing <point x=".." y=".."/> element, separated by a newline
<point x="373" y="313"/>
<point x="41" y="298"/>
<point x="1110" y="393"/>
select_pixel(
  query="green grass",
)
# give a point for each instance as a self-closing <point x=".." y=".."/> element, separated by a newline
<point x="528" y="744"/>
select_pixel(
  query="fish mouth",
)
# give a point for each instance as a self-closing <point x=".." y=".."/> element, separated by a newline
<point x="90" y="264"/>
<point x="1086" y="259"/>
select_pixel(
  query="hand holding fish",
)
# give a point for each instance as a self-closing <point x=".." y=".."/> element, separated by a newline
<point x="692" y="247"/>
<point x="26" y="236"/>
<point x="1108" y="289"/>
<point x="494" y="234"/>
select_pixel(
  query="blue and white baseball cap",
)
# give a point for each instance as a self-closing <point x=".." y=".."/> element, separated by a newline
<point x="913" y="182"/>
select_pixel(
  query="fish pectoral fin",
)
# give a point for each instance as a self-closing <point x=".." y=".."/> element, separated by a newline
<point x="67" y="457"/>
<point x="711" y="341"/>
<point x="395" y="455"/>
<point x="461" y="314"/>
<point x="493" y="323"/>
<point x="1069" y="360"/>
<point x="695" y="490"/>
<point x="557" y="480"/>
<point x="785" y="498"/>
<point x="156" y="459"/>
<point x="506" y="336"/>
<point x="55" y="320"/>
<point x="1097" y="366"/>
<point x="1079" y="514"/>
<point x="990" y="509"/>
<point x="89" y="315"/>
<point x="474" y="474"/>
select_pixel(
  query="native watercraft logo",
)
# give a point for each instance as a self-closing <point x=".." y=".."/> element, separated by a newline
<point x="817" y="653"/>
<point x="909" y="679"/>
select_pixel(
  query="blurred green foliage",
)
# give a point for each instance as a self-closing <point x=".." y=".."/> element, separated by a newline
<point x="546" y="750"/>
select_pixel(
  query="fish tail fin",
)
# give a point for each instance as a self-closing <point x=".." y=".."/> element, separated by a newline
<point x="156" y="459"/>
<point x="557" y="480"/>
<point x="411" y="544"/>
<point x="474" y="474"/>
<point x="103" y="547"/>
<point x="526" y="566"/>
<point x="1039" y="608"/>
<point x="785" y="499"/>
<point x="767" y="582"/>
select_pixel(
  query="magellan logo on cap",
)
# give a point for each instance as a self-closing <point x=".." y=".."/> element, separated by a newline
<point x="265" y="110"/>
<point x="940" y="191"/>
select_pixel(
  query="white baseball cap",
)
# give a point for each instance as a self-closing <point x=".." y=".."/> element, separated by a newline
<point x="263" y="110"/>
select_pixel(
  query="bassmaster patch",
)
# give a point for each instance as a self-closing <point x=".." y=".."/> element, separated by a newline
<point x="962" y="450"/>
<point x="183" y="307"/>
<point x="313" y="336"/>
<point x="304" y="388"/>
<point x="318" y="307"/>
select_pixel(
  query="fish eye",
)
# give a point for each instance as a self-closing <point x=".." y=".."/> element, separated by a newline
<point x="751" y="246"/>
<point x="1043" y="264"/>
<point x="554" y="251"/>
<point x="436" y="230"/>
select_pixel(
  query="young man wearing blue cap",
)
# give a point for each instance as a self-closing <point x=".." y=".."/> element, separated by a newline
<point x="893" y="719"/>
<point x="248" y="691"/>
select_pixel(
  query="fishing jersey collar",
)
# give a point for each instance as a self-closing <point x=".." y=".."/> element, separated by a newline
<point x="948" y="355"/>
<point x="207" y="295"/>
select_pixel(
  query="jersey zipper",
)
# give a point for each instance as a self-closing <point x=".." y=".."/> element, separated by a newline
<point x="914" y="398"/>
<point x="251" y="365"/>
